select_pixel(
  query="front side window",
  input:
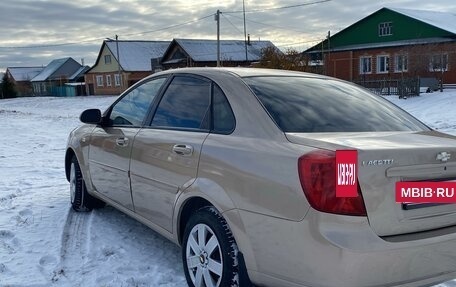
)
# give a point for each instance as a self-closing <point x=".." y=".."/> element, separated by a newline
<point x="401" y="63"/>
<point x="382" y="64"/>
<point x="99" y="81"/>
<point x="365" y="65"/>
<point x="132" y="109"/>
<point x="385" y="29"/>
<point x="438" y="63"/>
<point x="185" y="104"/>
<point x="311" y="105"/>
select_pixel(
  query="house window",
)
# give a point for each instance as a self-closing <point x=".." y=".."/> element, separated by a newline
<point x="107" y="59"/>
<point x="382" y="64"/>
<point x="385" y="29"/>
<point x="99" y="81"/>
<point x="365" y="65"/>
<point x="439" y="63"/>
<point x="108" y="80"/>
<point x="401" y="63"/>
<point x="117" y="79"/>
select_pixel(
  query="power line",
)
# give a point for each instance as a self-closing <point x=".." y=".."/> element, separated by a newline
<point x="170" y="27"/>
<point x="299" y="43"/>
<point x="278" y="8"/>
<point x="231" y="23"/>
<point x="269" y="25"/>
<point x="99" y="39"/>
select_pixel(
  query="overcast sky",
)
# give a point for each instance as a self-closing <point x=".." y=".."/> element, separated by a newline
<point x="35" y="32"/>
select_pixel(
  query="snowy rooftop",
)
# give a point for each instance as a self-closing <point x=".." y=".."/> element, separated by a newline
<point x="389" y="44"/>
<point x="136" y="55"/>
<point x="230" y="50"/>
<point x="50" y="69"/>
<point x="442" y="20"/>
<point x="20" y="74"/>
<point x="78" y="73"/>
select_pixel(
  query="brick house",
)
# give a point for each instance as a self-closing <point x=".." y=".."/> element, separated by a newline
<point x="107" y="77"/>
<point x="203" y="53"/>
<point x="392" y="43"/>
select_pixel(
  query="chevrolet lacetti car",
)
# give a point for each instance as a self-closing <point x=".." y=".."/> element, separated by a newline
<point x="237" y="166"/>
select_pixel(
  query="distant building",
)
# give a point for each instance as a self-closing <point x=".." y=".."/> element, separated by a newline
<point x="21" y="77"/>
<point x="203" y="53"/>
<point x="392" y="43"/>
<point x="52" y="79"/>
<point x="107" y="77"/>
<point x="76" y="85"/>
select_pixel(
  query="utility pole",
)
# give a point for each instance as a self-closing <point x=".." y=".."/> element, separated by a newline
<point x="245" y="32"/>
<point x="329" y="53"/>
<point x="217" y="18"/>
<point x="118" y="65"/>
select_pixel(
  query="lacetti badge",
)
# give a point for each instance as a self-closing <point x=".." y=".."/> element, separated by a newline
<point x="346" y="173"/>
<point x="443" y="156"/>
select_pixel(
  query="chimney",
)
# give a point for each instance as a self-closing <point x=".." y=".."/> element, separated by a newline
<point x="248" y="40"/>
<point x="82" y="61"/>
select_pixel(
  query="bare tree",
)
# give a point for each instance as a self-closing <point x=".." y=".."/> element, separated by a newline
<point x="275" y="59"/>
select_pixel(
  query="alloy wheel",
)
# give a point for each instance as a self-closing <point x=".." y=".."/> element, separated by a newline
<point x="204" y="257"/>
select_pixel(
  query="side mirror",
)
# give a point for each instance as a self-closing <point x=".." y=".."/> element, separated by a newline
<point x="91" y="116"/>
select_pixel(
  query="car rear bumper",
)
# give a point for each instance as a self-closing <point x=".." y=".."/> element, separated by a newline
<point x="343" y="251"/>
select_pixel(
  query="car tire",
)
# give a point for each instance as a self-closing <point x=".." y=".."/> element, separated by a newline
<point x="81" y="200"/>
<point x="209" y="247"/>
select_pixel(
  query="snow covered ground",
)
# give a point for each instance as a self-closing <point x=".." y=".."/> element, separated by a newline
<point x="44" y="243"/>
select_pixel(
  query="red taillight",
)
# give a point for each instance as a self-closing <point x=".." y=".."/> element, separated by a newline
<point x="317" y="173"/>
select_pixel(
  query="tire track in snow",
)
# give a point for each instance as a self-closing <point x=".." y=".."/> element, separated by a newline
<point x="75" y="247"/>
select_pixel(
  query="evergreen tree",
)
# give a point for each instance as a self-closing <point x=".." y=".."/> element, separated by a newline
<point x="7" y="89"/>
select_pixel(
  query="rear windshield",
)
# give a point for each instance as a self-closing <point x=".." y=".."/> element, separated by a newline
<point x="310" y="105"/>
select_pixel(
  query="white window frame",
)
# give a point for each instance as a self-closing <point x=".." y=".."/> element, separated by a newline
<point x="108" y="57"/>
<point x="383" y="61"/>
<point x="362" y="71"/>
<point x="108" y="81"/>
<point x="385" y="29"/>
<point x="99" y="80"/>
<point x="117" y="80"/>
<point x="401" y="63"/>
<point x="439" y="58"/>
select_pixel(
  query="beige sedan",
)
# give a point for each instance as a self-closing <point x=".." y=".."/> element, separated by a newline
<point x="237" y="166"/>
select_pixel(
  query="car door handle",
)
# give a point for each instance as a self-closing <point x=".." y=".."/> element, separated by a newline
<point x="122" y="141"/>
<point x="183" y="149"/>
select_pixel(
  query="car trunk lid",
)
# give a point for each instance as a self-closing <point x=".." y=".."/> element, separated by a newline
<point x="385" y="158"/>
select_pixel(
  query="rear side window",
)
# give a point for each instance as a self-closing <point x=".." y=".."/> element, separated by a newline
<point x="222" y="114"/>
<point x="310" y="105"/>
<point x="185" y="104"/>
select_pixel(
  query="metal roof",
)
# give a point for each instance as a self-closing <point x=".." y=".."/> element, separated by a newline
<point x="21" y="74"/>
<point x="136" y="55"/>
<point x="79" y="73"/>
<point x="442" y="20"/>
<point x="385" y="44"/>
<point x="230" y="50"/>
<point x="50" y="69"/>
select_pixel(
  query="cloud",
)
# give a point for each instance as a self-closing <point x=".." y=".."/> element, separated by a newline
<point x="84" y="24"/>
